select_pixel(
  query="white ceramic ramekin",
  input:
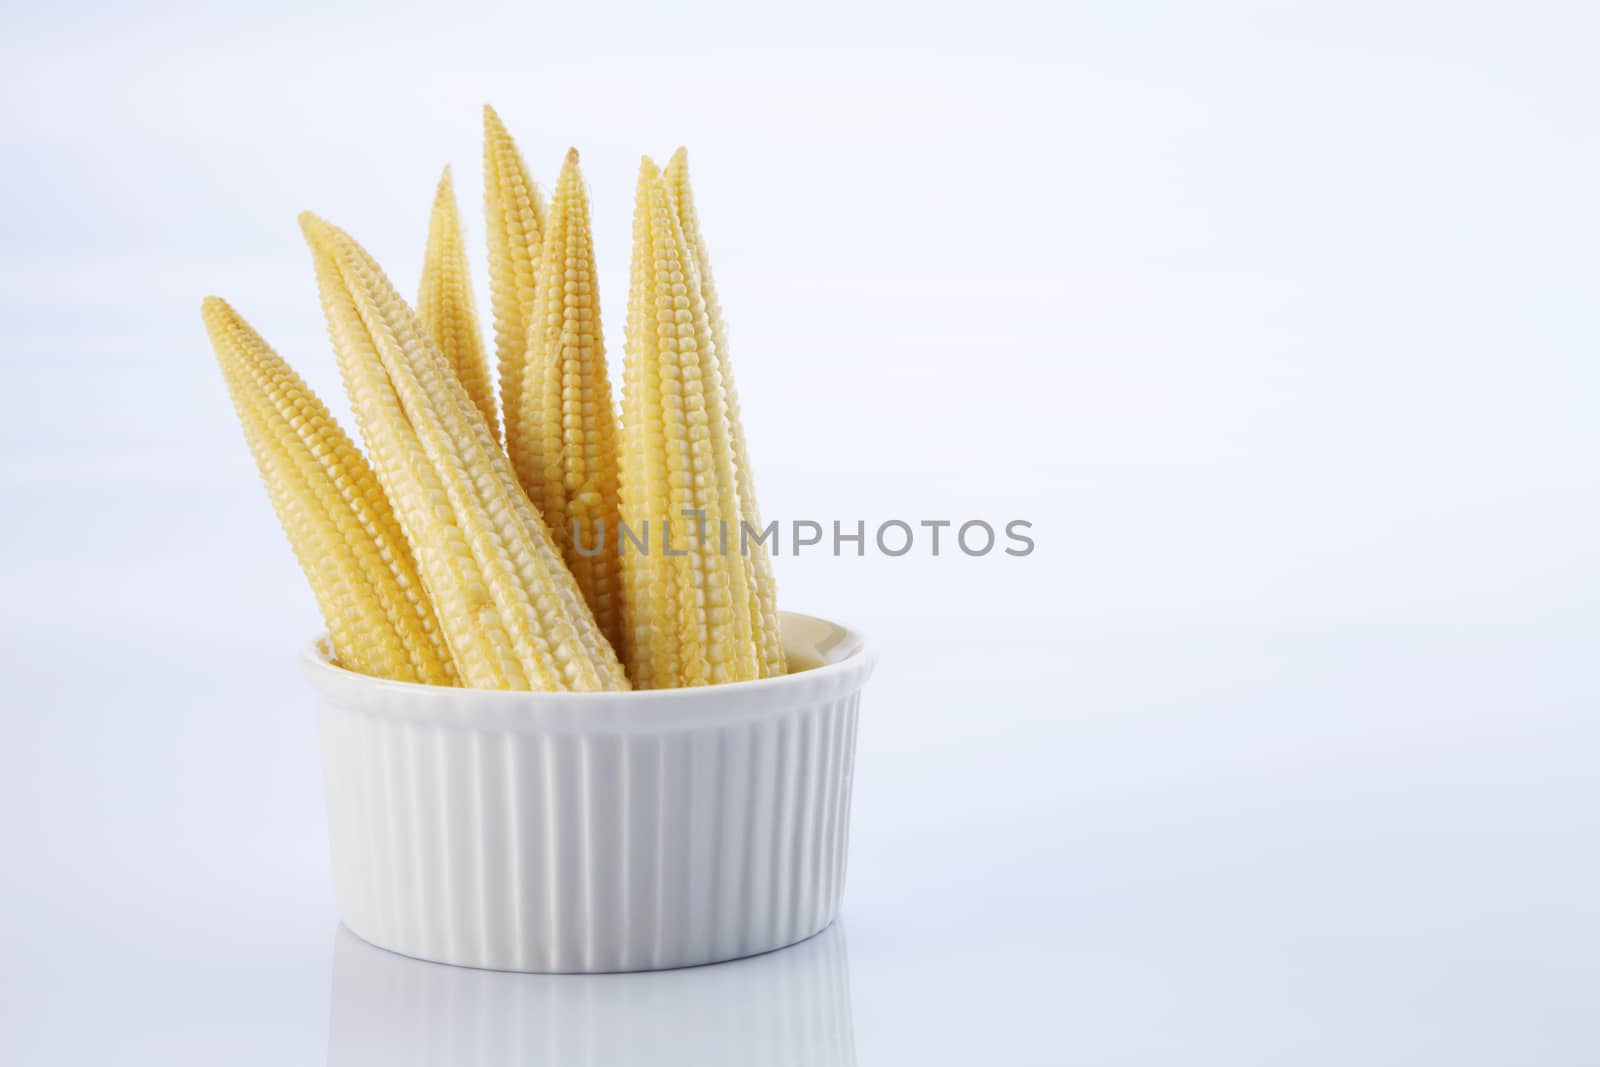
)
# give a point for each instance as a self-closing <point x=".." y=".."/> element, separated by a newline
<point x="583" y="832"/>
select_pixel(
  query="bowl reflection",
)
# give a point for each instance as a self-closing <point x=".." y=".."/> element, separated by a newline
<point x="791" y="1006"/>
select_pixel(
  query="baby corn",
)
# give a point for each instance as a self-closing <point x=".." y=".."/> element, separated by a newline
<point x="445" y="305"/>
<point x="509" y="609"/>
<point x="336" y="517"/>
<point x="758" y="564"/>
<point x="516" y="212"/>
<point x="568" y="459"/>
<point x="583" y="553"/>
<point x="687" y="610"/>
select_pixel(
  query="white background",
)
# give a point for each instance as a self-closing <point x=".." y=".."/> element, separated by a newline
<point x="1277" y="321"/>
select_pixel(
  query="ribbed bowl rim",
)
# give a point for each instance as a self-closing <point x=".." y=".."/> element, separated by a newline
<point x="662" y="710"/>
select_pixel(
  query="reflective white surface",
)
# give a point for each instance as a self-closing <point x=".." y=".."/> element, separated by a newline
<point x="1301" y="846"/>
<point x="790" y="1006"/>
<point x="1278" y="321"/>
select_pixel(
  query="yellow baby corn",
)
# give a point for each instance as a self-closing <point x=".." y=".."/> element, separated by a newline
<point x="338" y="521"/>
<point x="509" y="609"/>
<point x="516" y="212"/>
<point x="758" y="564"/>
<point x="636" y="494"/>
<point x="688" y="609"/>
<point x="445" y="305"/>
<point x="568" y="459"/>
